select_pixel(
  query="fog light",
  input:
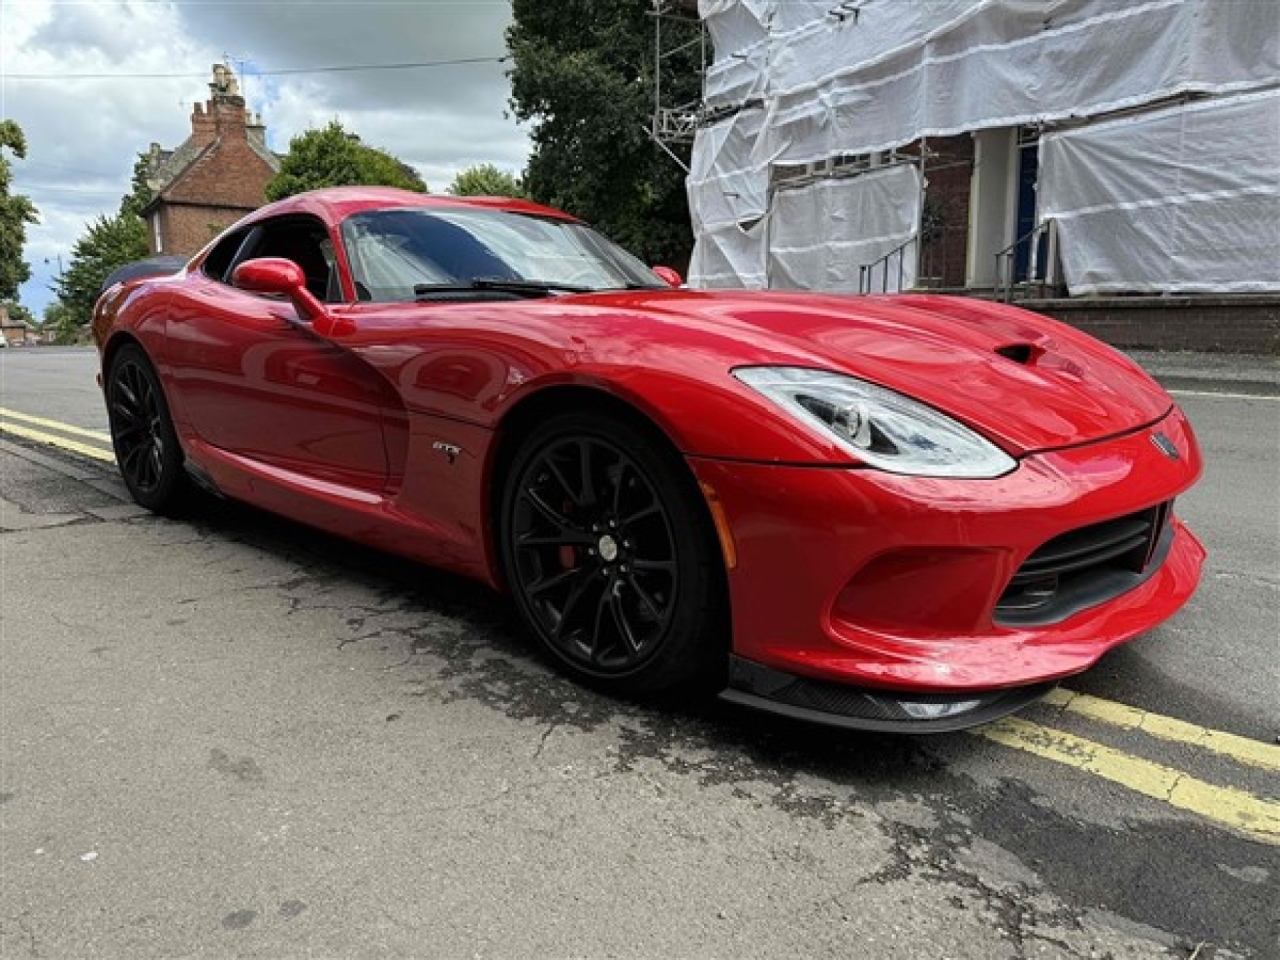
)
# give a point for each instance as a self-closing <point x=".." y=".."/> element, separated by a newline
<point x="1029" y="596"/>
<point x="936" y="711"/>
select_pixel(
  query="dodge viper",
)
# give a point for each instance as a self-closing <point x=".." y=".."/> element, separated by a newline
<point x="908" y="512"/>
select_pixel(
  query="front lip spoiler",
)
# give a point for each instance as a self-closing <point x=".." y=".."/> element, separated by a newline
<point x="759" y="687"/>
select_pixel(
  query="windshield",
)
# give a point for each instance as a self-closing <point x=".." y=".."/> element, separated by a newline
<point x="395" y="252"/>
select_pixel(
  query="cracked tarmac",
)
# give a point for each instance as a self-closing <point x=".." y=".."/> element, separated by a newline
<point x="234" y="736"/>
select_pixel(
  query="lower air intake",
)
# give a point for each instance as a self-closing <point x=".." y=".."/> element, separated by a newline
<point x="1086" y="567"/>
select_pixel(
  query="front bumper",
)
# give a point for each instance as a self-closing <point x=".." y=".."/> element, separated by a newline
<point x="871" y="580"/>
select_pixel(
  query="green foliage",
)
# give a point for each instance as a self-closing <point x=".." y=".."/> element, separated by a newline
<point x="16" y="211"/>
<point x="18" y="313"/>
<point x="332" y="158"/>
<point x="109" y="242"/>
<point x="140" y="194"/>
<point x="485" y="180"/>
<point x="584" y="77"/>
<point x="60" y="318"/>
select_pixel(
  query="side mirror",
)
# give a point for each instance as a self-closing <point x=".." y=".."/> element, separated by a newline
<point x="669" y="276"/>
<point x="284" y="277"/>
<point x="270" y="275"/>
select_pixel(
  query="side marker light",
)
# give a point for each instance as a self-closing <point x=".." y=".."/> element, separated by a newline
<point x="721" y="521"/>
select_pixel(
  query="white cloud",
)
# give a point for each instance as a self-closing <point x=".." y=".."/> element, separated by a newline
<point x="84" y="135"/>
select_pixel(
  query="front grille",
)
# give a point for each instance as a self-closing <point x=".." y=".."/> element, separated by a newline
<point x="1086" y="567"/>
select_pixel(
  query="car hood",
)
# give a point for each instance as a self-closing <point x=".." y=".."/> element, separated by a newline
<point x="1025" y="381"/>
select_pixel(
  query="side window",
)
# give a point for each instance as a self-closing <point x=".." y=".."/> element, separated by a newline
<point x="301" y="239"/>
<point x="305" y="241"/>
<point x="220" y="257"/>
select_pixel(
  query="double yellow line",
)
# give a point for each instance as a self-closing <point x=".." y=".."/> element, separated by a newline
<point x="1240" y="810"/>
<point x="1231" y="807"/>
<point x="62" y="435"/>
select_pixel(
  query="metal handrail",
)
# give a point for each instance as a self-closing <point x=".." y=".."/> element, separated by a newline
<point x="1005" y="258"/>
<point x="867" y="270"/>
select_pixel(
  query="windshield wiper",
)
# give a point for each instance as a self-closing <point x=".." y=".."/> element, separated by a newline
<point x="502" y="286"/>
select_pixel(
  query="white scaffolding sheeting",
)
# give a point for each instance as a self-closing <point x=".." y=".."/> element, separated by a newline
<point x="736" y="24"/>
<point x="822" y="234"/>
<point x="1183" y="200"/>
<point x="732" y="82"/>
<point x="831" y="78"/>
<point x="730" y="257"/>
<point x="906" y="70"/>
<point x="739" y="34"/>
<point x="725" y="185"/>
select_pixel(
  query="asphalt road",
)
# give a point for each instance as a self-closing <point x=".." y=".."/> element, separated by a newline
<point x="233" y="736"/>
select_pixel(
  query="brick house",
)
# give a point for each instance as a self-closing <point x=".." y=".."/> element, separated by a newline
<point x="214" y="178"/>
<point x="14" y="333"/>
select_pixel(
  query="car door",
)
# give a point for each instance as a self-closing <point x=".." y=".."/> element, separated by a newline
<point x="253" y="379"/>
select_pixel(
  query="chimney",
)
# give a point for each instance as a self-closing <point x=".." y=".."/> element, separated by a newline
<point x="225" y="111"/>
<point x="230" y="116"/>
<point x="203" y="125"/>
<point x="256" y="131"/>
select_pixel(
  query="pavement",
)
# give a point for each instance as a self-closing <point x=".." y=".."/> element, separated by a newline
<point x="1215" y="372"/>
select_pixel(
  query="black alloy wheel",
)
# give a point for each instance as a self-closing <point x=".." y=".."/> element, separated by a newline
<point x="146" y="446"/>
<point x="610" y="556"/>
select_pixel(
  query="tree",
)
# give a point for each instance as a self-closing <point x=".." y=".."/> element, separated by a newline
<point x="485" y="180"/>
<point x="108" y="243"/>
<point x="584" y="78"/>
<point x="140" y="192"/>
<point x="59" y="318"/>
<point x="332" y="158"/>
<point x="16" y="211"/>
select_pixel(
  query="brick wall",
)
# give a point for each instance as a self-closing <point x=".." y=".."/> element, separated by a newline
<point x="949" y="172"/>
<point x="230" y="174"/>
<point x="188" y="227"/>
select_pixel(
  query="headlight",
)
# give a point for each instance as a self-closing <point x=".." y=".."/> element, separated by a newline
<point x="881" y="428"/>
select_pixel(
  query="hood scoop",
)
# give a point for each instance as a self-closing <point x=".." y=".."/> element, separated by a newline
<point x="1023" y="353"/>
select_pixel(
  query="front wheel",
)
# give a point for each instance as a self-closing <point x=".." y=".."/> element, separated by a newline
<point x="610" y="556"/>
<point x="146" y="445"/>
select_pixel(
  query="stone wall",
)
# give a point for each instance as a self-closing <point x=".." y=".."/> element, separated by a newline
<point x="1234" y="324"/>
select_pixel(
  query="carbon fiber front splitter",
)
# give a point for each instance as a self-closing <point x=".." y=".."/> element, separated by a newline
<point x="859" y="708"/>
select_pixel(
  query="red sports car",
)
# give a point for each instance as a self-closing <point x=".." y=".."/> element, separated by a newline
<point x="906" y="512"/>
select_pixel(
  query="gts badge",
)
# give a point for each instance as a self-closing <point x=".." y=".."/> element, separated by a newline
<point x="448" y="449"/>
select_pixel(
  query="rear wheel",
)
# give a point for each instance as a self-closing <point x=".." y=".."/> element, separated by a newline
<point x="611" y="559"/>
<point x="146" y="446"/>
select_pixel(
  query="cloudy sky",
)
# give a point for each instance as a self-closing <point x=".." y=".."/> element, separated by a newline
<point x="94" y="82"/>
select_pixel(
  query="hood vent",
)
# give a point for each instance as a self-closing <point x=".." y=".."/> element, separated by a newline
<point x="1023" y="353"/>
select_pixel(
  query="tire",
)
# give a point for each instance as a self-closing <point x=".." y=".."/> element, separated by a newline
<point x="146" y="445"/>
<point x="611" y="557"/>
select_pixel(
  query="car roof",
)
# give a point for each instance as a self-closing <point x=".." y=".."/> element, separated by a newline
<point x="335" y="204"/>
